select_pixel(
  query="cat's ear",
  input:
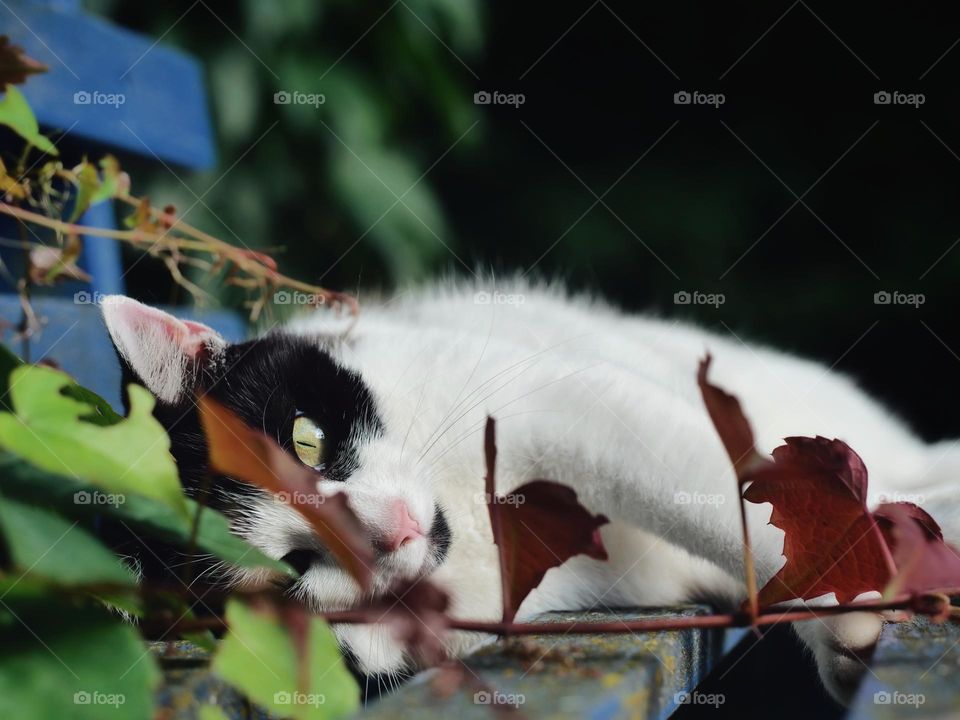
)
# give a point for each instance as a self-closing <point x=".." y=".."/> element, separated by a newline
<point x="163" y="353"/>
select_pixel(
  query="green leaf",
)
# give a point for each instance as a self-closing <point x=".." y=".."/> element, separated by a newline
<point x="88" y="184"/>
<point x="45" y="545"/>
<point x="113" y="182"/>
<point x="8" y="363"/>
<point x="65" y="661"/>
<point x="16" y="114"/>
<point x="94" y="187"/>
<point x="258" y="656"/>
<point x="102" y="413"/>
<point x="147" y="517"/>
<point x="211" y="712"/>
<point x="48" y="429"/>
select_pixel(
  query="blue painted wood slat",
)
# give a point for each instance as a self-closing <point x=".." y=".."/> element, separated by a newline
<point x="111" y="85"/>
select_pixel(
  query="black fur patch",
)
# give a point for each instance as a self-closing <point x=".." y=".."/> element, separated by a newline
<point x="267" y="382"/>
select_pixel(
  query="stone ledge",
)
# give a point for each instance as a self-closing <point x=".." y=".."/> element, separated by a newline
<point x="575" y="676"/>
<point x="915" y="673"/>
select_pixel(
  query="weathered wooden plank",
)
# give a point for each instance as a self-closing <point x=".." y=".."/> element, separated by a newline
<point x="915" y="673"/>
<point x="576" y="676"/>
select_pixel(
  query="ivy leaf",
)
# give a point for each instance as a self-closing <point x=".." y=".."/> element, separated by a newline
<point x="538" y="526"/>
<point x="102" y="413"/>
<point x="924" y="562"/>
<point x="246" y="454"/>
<point x="212" y="712"/>
<point x="16" y="114"/>
<point x="48" y="429"/>
<point x="731" y="424"/>
<point x="42" y="544"/>
<point x="88" y="665"/>
<point x="818" y="489"/>
<point x="15" y="64"/>
<point x="298" y="674"/>
<point x="8" y="363"/>
<point x="147" y="517"/>
<point x="832" y="542"/>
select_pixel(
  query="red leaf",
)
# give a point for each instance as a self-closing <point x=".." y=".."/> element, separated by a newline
<point x="538" y="526"/>
<point x="246" y="454"/>
<point x="818" y="490"/>
<point x="736" y="435"/>
<point x="832" y="542"/>
<point x="924" y="562"/>
<point x="15" y="64"/>
<point x="731" y="424"/>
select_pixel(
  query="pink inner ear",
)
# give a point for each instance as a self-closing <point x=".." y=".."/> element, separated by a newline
<point x="188" y="335"/>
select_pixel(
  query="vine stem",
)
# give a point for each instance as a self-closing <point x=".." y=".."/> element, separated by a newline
<point x="250" y="262"/>
<point x="363" y="616"/>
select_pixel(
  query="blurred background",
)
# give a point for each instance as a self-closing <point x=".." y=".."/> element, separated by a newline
<point x="787" y="185"/>
<point x="798" y="198"/>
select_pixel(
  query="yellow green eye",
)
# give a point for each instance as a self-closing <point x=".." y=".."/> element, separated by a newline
<point x="308" y="441"/>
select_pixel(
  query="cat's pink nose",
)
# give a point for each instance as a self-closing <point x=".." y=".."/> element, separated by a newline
<point x="401" y="527"/>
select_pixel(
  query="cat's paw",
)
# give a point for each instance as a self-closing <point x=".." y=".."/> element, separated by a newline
<point x="842" y="647"/>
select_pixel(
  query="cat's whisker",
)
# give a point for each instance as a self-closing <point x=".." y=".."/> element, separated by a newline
<point x="492" y="378"/>
<point x="456" y="400"/>
<point x="477" y="426"/>
<point x="518" y="398"/>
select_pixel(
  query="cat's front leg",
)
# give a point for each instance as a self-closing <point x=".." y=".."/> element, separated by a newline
<point x="841" y="647"/>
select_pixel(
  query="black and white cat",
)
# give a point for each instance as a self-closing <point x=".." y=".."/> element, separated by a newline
<point x="393" y="411"/>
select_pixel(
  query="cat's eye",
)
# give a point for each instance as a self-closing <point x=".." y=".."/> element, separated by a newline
<point x="308" y="440"/>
